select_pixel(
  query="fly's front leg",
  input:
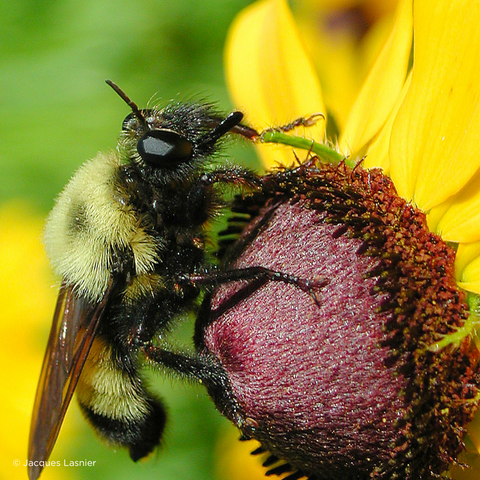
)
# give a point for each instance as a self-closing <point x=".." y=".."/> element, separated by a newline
<point x="232" y="174"/>
<point x="298" y="122"/>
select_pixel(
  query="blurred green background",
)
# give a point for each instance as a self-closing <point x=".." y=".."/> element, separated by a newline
<point x="56" y="112"/>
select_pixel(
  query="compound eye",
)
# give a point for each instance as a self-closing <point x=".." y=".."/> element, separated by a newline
<point x="162" y="148"/>
<point x="131" y="120"/>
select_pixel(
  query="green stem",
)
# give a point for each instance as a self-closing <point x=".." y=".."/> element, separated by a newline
<point x="470" y="327"/>
<point x="325" y="153"/>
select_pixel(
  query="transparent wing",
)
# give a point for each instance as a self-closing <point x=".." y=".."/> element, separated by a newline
<point x="74" y="326"/>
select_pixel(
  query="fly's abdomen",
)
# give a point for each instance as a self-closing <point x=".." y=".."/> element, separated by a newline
<point x="117" y="404"/>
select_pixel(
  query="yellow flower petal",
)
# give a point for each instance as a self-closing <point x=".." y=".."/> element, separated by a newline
<point x="235" y="461"/>
<point x="336" y="63"/>
<point x="474" y="431"/>
<point x="377" y="155"/>
<point x="461" y="221"/>
<point x="467" y="266"/>
<point x="269" y="74"/>
<point x="342" y="55"/>
<point x="382" y="87"/>
<point x="27" y="301"/>
<point x="434" y="216"/>
<point x="470" y="472"/>
<point x="438" y="125"/>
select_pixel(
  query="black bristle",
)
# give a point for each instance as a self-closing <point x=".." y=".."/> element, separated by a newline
<point x="270" y="461"/>
<point x="232" y="229"/>
<point x="294" y="476"/>
<point x="239" y="219"/>
<point x="286" y="467"/>
<point x="258" y="451"/>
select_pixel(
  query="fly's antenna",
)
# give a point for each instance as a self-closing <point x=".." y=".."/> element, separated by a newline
<point x="136" y="111"/>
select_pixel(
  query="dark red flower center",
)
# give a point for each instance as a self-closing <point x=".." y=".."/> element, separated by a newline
<point x="346" y="388"/>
